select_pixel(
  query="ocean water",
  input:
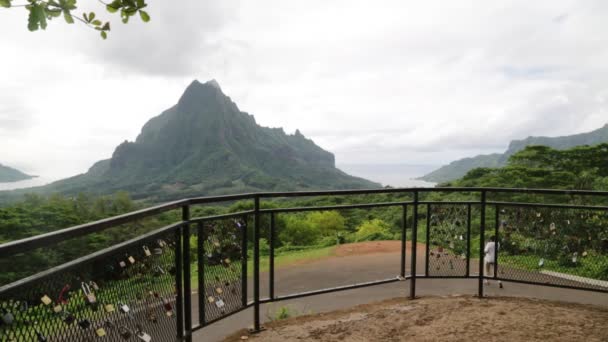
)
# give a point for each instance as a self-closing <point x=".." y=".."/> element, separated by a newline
<point x="395" y="175"/>
<point x="28" y="183"/>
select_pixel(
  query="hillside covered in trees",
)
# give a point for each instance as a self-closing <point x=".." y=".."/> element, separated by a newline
<point x="9" y="174"/>
<point x="581" y="168"/>
<point x="459" y="168"/>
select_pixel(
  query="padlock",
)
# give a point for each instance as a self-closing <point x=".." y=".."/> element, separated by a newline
<point x="57" y="308"/>
<point x="108" y="324"/>
<point x="161" y="243"/>
<point x="147" y="251"/>
<point x="40" y="336"/>
<point x="125" y="332"/>
<point x="68" y="318"/>
<point x="122" y="264"/>
<point x="124" y="308"/>
<point x="7" y="317"/>
<point x="219" y="290"/>
<point x="46" y="300"/>
<point x="144" y="336"/>
<point x="23" y="306"/>
<point x="158" y="251"/>
<point x="94" y="285"/>
<point x="84" y="323"/>
<point x="109" y="308"/>
<point x="152" y="315"/>
<point x="210" y="299"/>
<point x="167" y="305"/>
<point x="90" y="296"/>
<point x="219" y="303"/>
<point x="158" y="271"/>
<point x="131" y="259"/>
<point x="101" y="332"/>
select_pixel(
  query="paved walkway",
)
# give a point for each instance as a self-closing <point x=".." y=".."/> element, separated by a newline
<point x="354" y="269"/>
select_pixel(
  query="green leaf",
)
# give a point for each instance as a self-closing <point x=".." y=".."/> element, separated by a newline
<point x="144" y="16"/>
<point x="91" y="16"/>
<point x="53" y="12"/>
<point x="86" y="17"/>
<point x="141" y="3"/>
<point x="36" y="18"/>
<point x="114" y="6"/>
<point x="68" y="17"/>
<point x="96" y="22"/>
<point x="5" y="3"/>
<point x="106" y="26"/>
<point x="125" y="20"/>
<point x="104" y="35"/>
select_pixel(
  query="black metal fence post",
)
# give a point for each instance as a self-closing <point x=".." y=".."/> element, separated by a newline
<point x="468" y="240"/>
<point x="179" y="284"/>
<point x="482" y="230"/>
<point x="403" y="240"/>
<point x="187" y="276"/>
<point x="271" y="261"/>
<point x="256" y="265"/>
<point x="414" y="247"/>
<point x="200" y="258"/>
<point x="244" y="260"/>
<point x="428" y="240"/>
<point x="496" y="222"/>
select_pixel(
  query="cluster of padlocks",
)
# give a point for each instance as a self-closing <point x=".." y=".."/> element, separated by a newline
<point x="126" y="298"/>
<point x="448" y="241"/>
<point x="222" y="248"/>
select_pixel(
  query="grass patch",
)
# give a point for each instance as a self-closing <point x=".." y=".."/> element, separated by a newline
<point x="592" y="266"/>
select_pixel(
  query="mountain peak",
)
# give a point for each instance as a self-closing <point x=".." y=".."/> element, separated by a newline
<point x="211" y="83"/>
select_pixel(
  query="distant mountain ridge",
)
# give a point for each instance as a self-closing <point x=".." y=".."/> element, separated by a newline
<point x="204" y="145"/>
<point x="9" y="174"/>
<point x="457" y="169"/>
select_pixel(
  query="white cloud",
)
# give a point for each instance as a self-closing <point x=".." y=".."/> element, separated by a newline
<point x="372" y="81"/>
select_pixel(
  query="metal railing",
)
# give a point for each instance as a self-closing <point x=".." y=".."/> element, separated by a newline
<point x="144" y="287"/>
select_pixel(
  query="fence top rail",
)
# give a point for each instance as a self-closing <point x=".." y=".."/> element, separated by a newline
<point x="45" y="240"/>
<point x="436" y="189"/>
<point x="90" y="257"/>
<point x="54" y="237"/>
<point x="547" y="205"/>
<point x="336" y="207"/>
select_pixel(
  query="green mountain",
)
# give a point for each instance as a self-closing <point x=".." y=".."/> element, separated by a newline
<point x="8" y="174"/>
<point x="457" y="169"/>
<point x="204" y="145"/>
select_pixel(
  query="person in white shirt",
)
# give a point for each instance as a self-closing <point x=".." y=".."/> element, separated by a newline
<point x="490" y="253"/>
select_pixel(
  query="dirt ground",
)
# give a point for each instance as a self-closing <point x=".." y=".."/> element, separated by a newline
<point x="459" y="318"/>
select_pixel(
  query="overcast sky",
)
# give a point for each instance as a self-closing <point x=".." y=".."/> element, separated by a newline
<point x="422" y="82"/>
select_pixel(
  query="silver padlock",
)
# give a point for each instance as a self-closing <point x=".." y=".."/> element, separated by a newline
<point x="143" y="336"/>
<point x="7" y="317"/>
<point x="124" y="307"/>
